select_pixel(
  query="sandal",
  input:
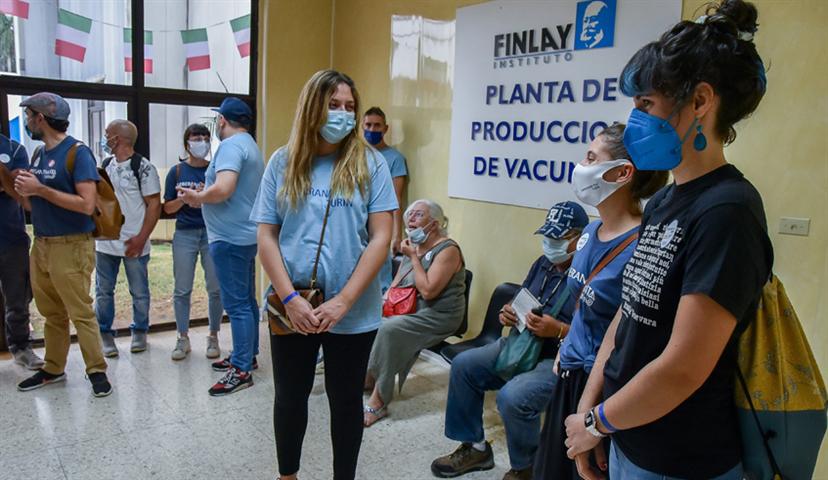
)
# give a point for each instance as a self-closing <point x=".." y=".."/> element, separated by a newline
<point x="378" y="413"/>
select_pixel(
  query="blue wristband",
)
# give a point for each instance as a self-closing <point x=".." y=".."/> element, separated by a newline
<point x="604" y="420"/>
<point x="290" y="297"/>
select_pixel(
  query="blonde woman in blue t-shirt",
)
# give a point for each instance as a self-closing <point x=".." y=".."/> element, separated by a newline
<point x="326" y="163"/>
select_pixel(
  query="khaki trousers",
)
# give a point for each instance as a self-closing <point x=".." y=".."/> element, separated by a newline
<point x="61" y="269"/>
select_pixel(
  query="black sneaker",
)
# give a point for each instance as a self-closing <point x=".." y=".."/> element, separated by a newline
<point x="39" y="379"/>
<point x="463" y="460"/>
<point x="224" y="364"/>
<point x="100" y="384"/>
<point x="232" y="381"/>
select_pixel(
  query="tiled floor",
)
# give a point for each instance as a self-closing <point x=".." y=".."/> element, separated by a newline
<point x="161" y="424"/>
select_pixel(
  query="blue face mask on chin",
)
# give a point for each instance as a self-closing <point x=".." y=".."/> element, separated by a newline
<point x="339" y="125"/>
<point x="652" y="142"/>
<point x="374" y="138"/>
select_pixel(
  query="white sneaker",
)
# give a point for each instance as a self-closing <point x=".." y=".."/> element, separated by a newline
<point x="182" y="348"/>
<point x="28" y="359"/>
<point x="213" y="349"/>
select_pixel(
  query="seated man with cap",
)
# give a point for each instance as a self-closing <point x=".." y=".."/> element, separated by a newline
<point x="232" y="182"/>
<point x="523" y="398"/>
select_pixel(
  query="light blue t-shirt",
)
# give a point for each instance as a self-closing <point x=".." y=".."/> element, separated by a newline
<point x="229" y="221"/>
<point x="396" y="162"/>
<point x="346" y="235"/>
<point x="599" y="300"/>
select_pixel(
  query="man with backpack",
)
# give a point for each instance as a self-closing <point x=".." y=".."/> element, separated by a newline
<point x="138" y="190"/>
<point x="62" y="200"/>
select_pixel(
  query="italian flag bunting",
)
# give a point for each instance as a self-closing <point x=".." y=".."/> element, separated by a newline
<point x="18" y="8"/>
<point x="198" y="52"/>
<point x="72" y="35"/>
<point x="241" y="30"/>
<point x="128" y="50"/>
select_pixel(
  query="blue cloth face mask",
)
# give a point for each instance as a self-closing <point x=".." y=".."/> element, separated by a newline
<point x="339" y="125"/>
<point x="652" y="142"/>
<point x="555" y="250"/>
<point x="374" y="138"/>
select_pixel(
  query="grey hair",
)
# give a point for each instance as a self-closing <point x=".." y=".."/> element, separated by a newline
<point x="435" y="211"/>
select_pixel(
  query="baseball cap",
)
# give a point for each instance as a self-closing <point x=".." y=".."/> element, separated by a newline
<point x="235" y="109"/>
<point x="562" y="218"/>
<point x="49" y="104"/>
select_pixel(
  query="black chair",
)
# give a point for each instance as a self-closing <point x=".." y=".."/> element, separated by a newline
<point x="492" y="329"/>
<point x="464" y="325"/>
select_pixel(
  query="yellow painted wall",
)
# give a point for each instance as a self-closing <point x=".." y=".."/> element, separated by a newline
<point x="783" y="149"/>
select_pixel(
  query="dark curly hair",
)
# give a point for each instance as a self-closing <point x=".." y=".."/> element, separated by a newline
<point x="718" y="49"/>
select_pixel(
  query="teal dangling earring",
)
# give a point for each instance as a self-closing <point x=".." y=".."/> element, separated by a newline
<point x="700" y="142"/>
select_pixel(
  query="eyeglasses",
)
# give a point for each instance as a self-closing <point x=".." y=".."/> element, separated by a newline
<point x="417" y="214"/>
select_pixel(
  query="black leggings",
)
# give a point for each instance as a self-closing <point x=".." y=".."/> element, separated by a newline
<point x="294" y="367"/>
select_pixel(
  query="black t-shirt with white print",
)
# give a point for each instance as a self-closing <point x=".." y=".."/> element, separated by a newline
<point x="708" y="236"/>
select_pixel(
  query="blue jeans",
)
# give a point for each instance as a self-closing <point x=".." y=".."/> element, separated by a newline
<point x="236" y="271"/>
<point x="520" y="401"/>
<point x="106" y="275"/>
<point x="187" y="245"/>
<point x="621" y="467"/>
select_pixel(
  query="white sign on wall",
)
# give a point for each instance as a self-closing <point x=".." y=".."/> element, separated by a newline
<point x="534" y="82"/>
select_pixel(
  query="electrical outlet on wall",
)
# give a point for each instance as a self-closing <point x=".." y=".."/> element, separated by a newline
<point x="794" y="226"/>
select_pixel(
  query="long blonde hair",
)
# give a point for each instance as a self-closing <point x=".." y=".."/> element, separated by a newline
<point x="351" y="169"/>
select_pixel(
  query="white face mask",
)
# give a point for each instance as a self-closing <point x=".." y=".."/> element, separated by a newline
<point x="555" y="250"/>
<point x="199" y="148"/>
<point x="589" y="184"/>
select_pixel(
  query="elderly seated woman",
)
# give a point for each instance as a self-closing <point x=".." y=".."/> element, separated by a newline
<point x="432" y="264"/>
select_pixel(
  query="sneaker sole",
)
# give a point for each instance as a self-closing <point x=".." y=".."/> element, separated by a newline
<point x="478" y="468"/>
<point x="224" y="394"/>
<point x="137" y="349"/>
<point x="103" y="394"/>
<point x="40" y="385"/>
<point x="212" y="355"/>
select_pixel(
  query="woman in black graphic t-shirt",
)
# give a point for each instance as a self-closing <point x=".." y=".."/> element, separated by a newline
<point x="666" y="365"/>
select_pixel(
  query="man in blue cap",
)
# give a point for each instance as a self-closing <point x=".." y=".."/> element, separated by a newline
<point x="232" y="181"/>
<point x="15" y="287"/>
<point x="522" y="398"/>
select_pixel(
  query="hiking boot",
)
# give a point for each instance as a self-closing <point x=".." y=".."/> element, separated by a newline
<point x="463" y="460"/>
<point x="224" y="364"/>
<point x="232" y="381"/>
<point x="41" y="378"/>
<point x="110" y="350"/>
<point x="139" y="342"/>
<point x="182" y="348"/>
<point x="512" y="474"/>
<point x="213" y="349"/>
<point x="27" y="358"/>
<point x="100" y="384"/>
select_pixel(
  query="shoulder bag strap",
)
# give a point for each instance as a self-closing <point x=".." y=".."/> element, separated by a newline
<point x="321" y="237"/>
<point x="70" y="159"/>
<point x="604" y="262"/>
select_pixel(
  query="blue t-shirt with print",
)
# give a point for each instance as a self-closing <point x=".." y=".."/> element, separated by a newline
<point x="599" y="301"/>
<point x="396" y="162"/>
<point x="13" y="156"/>
<point x="48" y="219"/>
<point x="187" y="176"/>
<point x="229" y="221"/>
<point x="346" y="235"/>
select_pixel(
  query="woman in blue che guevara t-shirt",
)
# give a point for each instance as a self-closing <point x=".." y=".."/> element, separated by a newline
<point x="325" y="160"/>
<point x="190" y="242"/>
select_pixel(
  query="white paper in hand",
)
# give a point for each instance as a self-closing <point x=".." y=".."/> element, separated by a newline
<point x="523" y="303"/>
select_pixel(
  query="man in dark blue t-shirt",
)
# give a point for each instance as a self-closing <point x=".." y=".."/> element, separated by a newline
<point x="14" y="257"/>
<point x="62" y="200"/>
<point x="520" y="399"/>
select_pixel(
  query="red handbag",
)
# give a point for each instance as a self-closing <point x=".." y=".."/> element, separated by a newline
<point x="399" y="301"/>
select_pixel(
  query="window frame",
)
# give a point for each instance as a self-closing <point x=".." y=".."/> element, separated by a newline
<point x="138" y="96"/>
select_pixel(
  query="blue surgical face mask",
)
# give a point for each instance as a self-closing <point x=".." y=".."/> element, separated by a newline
<point x="339" y="125"/>
<point x="556" y="250"/>
<point x="418" y="236"/>
<point x="652" y="142"/>
<point x="105" y="146"/>
<point x="374" y="138"/>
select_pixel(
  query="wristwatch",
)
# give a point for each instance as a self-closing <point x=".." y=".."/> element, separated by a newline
<point x="591" y="424"/>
